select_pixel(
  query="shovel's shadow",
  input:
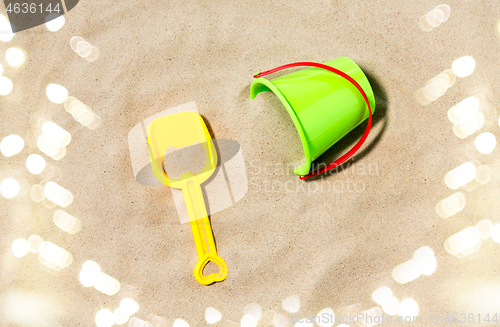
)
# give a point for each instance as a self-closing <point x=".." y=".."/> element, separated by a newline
<point x="224" y="151"/>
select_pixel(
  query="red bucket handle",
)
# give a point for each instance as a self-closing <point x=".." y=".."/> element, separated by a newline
<point x="358" y="145"/>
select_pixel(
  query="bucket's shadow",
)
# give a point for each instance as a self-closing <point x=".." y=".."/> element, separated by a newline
<point x="347" y="142"/>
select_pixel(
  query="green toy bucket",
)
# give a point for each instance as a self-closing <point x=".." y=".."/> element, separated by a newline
<point x="324" y="106"/>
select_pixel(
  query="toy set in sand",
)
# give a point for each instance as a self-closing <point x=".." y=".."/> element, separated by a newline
<point x="325" y="102"/>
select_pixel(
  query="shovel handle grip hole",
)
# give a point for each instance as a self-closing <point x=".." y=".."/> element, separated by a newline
<point x="213" y="265"/>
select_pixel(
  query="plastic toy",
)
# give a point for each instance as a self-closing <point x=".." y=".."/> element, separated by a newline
<point x="178" y="131"/>
<point x="325" y="103"/>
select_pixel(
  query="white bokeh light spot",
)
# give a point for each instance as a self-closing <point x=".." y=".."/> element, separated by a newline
<point x="408" y="309"/>
<point x="9" y="188"/>
<point x="6" y="33"/>
<point x="212" y="315"/>
<point x="291" y="304"/>
<point x="15" y="57"/>
<point x="11" y="145"/>
<point x="129" y="306"/>
<point x="57" y="93"/>
<point x="35" y="164"/>
<point x="382" y="295"/>
<point x="20" y="247"/>
<point x="104" y="318"/>
<point x="6" y="86"/>
<point x="54" y="22"/>
<point x="464" y="66"/>
<point x="485" y="142"/>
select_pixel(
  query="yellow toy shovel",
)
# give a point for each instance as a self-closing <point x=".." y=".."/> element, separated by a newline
<point x="178" y="131"/>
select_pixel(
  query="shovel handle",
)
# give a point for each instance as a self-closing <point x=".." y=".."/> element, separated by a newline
<point x="202" y="233"/>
